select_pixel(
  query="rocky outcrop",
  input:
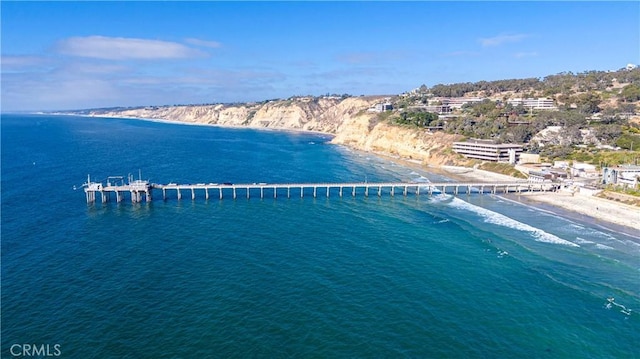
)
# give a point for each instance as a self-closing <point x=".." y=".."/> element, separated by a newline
<point x="347" y="119"/>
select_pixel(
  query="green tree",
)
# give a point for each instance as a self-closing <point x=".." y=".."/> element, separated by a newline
<point x="589" y="103"/>
<point x="631" y="93"/>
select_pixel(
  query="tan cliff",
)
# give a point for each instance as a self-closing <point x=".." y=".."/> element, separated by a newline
<point x="347" y="119"/>
<point x="429" y="148"/>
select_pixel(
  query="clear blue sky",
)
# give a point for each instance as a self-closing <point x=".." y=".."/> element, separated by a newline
<point x="75" y="55"/>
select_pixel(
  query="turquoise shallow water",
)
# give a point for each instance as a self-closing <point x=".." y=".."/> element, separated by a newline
<point x="442" y="276"/>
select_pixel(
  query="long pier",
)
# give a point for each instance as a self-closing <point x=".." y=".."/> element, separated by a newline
<point x="140" y="190"/>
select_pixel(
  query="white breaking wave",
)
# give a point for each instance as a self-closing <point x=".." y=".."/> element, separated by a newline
<point x="602" y="246"/>
<point x="502" y="220"/>
<point x="421" y="179"/>
<point x="580" y="229"/>
<point x="440" y="197"/>
<point x="583" y="241"/>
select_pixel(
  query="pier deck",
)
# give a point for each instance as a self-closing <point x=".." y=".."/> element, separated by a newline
<point x="140" y="189"/>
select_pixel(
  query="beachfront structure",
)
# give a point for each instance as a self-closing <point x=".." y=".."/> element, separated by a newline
<point x="623" y="175"/>
<point x="584" y="170"/>
<point x="546" y="175"/>
<point x="540" y="176"/>
<point x="489" y="150"/>
<point x="534" y="103"/>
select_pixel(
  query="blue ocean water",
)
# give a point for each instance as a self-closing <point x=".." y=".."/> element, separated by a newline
<point x="475" y="276"/>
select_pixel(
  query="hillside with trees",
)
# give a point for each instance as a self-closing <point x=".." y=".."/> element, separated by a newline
<point x="595" y="112"/>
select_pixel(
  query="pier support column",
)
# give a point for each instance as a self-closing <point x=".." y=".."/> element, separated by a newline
<point x="179" y="193"/>
<point x="105" y="196"/>
<point x="234" y="193"/>
<point x="340" y="191"/>
<point x="275" y="192"/>
<point x="206" y="193"/>
<point x="366" y="191"/>
<point x="392" y="191"/>
<point x="315" y="190"/>
<point x="148" y="195"/>
<point x="379" y="191"/>
<point x="353" y="191"/>
<point x="220" y="190"/>
<point x="261" y="192"/>
<point x="118" y="197"/>
<point x="288" y="192"/>
<point x="248" y="190"/>
<point x="193" y="193"/>
<point x="164" y="194"/>
<point x="417" y="190"/>
<point x="430" y="190"/>
<point x="327" y="191"/>
<point x="455" y="190"/>
<point x="301" y="191"/>
<point x="405" y="191"/>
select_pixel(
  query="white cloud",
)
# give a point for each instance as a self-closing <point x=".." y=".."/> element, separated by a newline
<point x="203" y="43"/>
<point x="20" y="63"/>
<point x="120" y="48"/>
<point x="501" y="39"/>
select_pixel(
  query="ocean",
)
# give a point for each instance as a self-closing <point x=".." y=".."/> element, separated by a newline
<point x="442" y="276"/>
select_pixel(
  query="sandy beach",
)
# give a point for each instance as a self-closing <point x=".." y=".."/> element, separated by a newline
<point x="601" y="211"/>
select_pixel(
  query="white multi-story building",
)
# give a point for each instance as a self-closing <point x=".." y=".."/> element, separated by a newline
<point x="489" y="150"/>
<point x="458" y="102"/>
<point x="534" y="103"/>
<point x="626" y="175"/>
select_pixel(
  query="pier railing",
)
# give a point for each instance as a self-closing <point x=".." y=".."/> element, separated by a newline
<point x="140" y="190"/>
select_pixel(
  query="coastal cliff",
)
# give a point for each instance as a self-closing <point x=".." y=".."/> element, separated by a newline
<point x="347" y="119"/>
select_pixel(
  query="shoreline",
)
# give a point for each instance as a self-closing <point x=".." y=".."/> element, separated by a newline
<point x="614" y="216"/>
<point x="176" y="122"/>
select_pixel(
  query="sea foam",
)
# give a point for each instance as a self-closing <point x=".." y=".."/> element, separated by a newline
<point x="502" y="220"/>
